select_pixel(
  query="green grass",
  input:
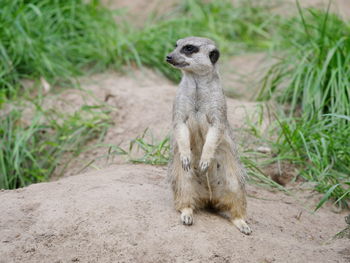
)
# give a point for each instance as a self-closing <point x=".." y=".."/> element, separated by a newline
<point x="144" y="149"/>
<point x="32" y="148"/>
<point x="321" y="149"/>
<point x="314" y="75"/>
<point x="55" y="40"/>
<point x="58" y="40"/>
<point x="312" y="82"/>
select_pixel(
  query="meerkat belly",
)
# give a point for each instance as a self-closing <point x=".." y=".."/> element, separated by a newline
<point x="198" y="127"/>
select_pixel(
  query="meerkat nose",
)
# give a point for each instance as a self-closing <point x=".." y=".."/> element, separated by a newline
<point x="169" y="58"/>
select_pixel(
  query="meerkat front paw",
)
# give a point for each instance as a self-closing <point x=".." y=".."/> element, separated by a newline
<point x="187" y="216"/>
<point x="186" y="163"/>
<point x="204" y="165"/>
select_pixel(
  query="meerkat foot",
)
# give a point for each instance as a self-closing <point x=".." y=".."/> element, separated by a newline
<point x="186" y="163"/>
<point x="187" y="216"/>
<point x="242" y="226"/>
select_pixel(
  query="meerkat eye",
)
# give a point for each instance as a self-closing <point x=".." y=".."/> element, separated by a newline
<point x="190" y="49"/>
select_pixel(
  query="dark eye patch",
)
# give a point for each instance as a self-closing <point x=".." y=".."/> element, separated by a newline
<point x="189" y="49"/>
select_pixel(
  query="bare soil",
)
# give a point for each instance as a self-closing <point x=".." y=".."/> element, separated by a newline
<point x="125" y="214"/>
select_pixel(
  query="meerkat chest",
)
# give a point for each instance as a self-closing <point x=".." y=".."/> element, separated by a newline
<point x="198" y="119"/>
<point x="200" y="107"/>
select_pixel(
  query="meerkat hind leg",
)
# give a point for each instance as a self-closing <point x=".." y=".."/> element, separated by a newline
<point x="185" y="200"/>
<point x="230" y="196"/>
<point x="236" y="216"/>
<point x="237" y="213"/>
<point x="183" y="188"/>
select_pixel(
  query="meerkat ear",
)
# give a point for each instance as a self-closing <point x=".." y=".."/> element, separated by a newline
<point x="214" y="56"/>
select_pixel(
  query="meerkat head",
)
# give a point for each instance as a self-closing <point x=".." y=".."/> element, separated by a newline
<point x="194" y="54"/>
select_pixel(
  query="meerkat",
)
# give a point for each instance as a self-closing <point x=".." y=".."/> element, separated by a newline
<point x="204" y="168"/>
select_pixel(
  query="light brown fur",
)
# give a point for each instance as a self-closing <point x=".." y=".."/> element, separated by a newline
<point x="204" y="168"/>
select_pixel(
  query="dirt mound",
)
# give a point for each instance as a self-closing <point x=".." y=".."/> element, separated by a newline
<point x="125" y="214"/>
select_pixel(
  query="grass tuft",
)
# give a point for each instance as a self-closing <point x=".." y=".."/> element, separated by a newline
<point x="312" y="81"/>
<point x="314" y="75"/>
<point x="55" y="40"/>
<point x="145" y="149"/>
<point x="32" y="152"/>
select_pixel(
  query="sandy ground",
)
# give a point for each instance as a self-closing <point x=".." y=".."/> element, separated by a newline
<point x="125" y="214"/>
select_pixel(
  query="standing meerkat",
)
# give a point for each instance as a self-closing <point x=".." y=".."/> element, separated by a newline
<point x="204" y="169"/>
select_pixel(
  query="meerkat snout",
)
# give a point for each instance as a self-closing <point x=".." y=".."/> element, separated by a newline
<point x="194" y="54"/>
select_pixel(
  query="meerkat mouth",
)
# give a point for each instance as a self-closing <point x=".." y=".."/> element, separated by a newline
<point x="178" y="65"/>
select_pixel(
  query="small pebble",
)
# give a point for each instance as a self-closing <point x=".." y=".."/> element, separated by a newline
<point x="264" y="149"/>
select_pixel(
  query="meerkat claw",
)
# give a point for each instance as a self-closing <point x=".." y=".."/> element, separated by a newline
<point x="186" y="163"/>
